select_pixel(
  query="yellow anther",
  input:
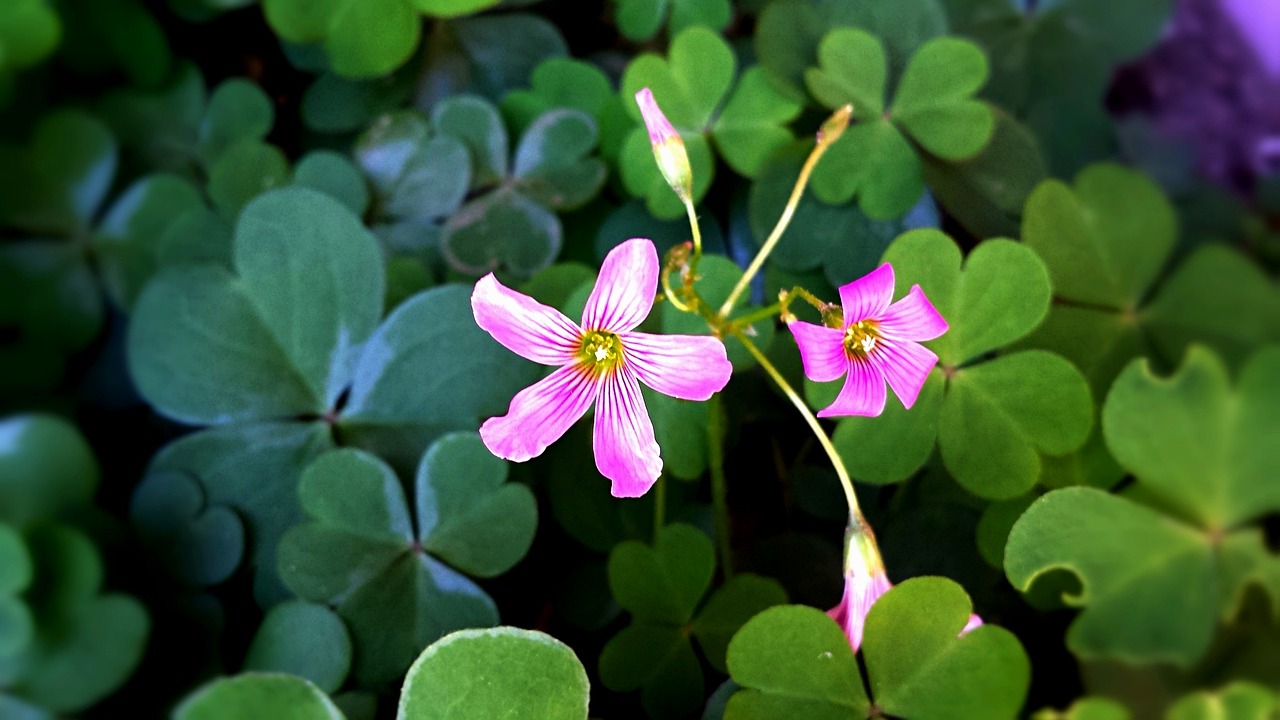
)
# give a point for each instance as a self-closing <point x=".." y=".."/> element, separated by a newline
<point x="860" y="337"/>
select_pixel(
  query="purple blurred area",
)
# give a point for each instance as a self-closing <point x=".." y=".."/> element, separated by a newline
<point x="1213" y="81"/>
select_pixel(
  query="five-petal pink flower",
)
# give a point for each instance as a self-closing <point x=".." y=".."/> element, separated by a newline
<point x="878" y="342"/>
<point x="601" y="361"/>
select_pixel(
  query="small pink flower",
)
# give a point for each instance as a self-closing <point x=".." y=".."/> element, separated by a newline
<point x="864" y="582"/>
<point x="879" y="342"/>
<point x="602" y="362"/>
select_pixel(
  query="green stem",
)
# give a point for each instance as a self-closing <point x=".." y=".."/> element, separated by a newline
<point x="719" y="486"/>
<point x="831" y="131"/>
<point x="855" y="513"/>
<point x="697" y="233"/>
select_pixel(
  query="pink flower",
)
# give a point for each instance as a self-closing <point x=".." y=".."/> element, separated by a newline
<point x="602" y="362"/>
<point x="864" y="582"/>
<point x="879" y="342"/>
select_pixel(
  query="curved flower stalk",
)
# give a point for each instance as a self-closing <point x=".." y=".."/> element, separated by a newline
<point x="878" y="342"/>
<point x="864" y="582"/>
<point x="601" y="362"/>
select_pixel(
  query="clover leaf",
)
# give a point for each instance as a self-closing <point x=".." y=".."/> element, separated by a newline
<point x="751" y="127"/>
<point x="46" y="468"/>
<point x="362" y="39"/>
<point x="662" y="588"/>
<point x="1240" y="699"/>
<point x="480" y="674"/>
<point x="1189" y="547"/>
<point x="303" y="639"/>
<point x="398" y="583"/>
<point x="986" y="193"/>
<point x="933" y="106"/>
<point x="513" y="227"/>
<point x="29" y="32"/>
<point x="994" y="418"/>
<point x="306" y="293"/>
<point x="1105" y="241"/>
<point x="488" y="55"/>
<point x="258" y="694"/>
<point x="788" y="33"/>
<point x="577" y="85"/>
<point x="793" y="661"/>
<point x="84" y="643"/>
<point x="184" y="129"/>
<point x="198" y="544"/>
<point x="640" y="20"/>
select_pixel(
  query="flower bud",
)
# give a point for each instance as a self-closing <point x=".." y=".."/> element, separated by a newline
<point x="668" y="148"/>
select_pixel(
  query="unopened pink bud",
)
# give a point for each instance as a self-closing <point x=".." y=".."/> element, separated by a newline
<point x="668" y="147"/>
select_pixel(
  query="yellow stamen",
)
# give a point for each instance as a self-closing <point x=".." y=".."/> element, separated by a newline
<point x="860" y="338"/>
<point x="601" y="350"/>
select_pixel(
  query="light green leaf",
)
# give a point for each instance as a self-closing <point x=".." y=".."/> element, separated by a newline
<point x="258" y="695"/>
<point x="793" y="661"/>
<point x="335" y="176"/>
<point x="741" y="598"/>
<point x="641" y="177"/>
<point x="1196" y="444"/>
<point x="46" y="468"/>
<point x="501" y="672"/>
<point x="934" y="100"/>
<point x="1216" y="297"/>
<point x="893" y="446"/>
<point x="1001" y="295"/>
<point x="303" y="639"/>
<point x="1146" y="581"/>
<point x="1000" y="415"/>
<point x="940" y="673"/>
<point x="1105" y="239"/>
<point x="1240" y="700"/>
<point x="853" y="68"/>
<point x="663" y="584"/>
<point x="243" y="172"/>
<point x="873" y="161"/>
<point x="415" y="174"/>
<point x="752" y="126"/>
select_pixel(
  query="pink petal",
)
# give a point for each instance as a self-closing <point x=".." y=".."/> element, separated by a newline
<point x="660" y="129"/>
<point x="868" y="296"/>
<point x="905" y="365"/>
<point x="626" y="451"/>
<point x="821" y="350"/>
<point x="913" y="318"/>
<point x="860" y="593"/>
<point x="523" y="325"/>
<point x="974" y="621"/>
<point x="623" y="295"/>
<point x="540" y="414"/>
<point x="690" y="367"/>
<point x="863" y="392"/>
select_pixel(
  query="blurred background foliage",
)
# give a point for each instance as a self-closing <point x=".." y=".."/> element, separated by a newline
<point x="240" y="379"/>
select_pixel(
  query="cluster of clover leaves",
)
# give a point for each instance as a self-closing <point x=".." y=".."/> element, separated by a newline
<point x="288" y="313"/>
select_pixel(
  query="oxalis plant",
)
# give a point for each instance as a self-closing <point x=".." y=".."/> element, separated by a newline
<point x="666" y="359"/>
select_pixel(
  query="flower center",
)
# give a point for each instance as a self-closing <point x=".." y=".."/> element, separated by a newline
<point x="601" y="350"/>
<point x="860" y="338"/>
